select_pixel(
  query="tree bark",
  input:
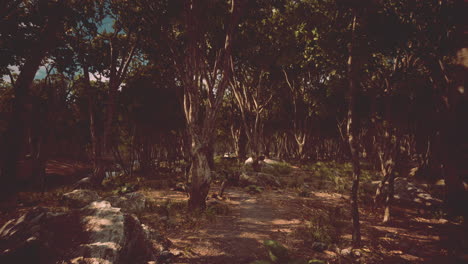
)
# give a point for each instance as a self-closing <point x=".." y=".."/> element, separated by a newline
<point x="352" y="130"/>
<point x="96" y="156"/>
<point x="200" y="178"/>
<point x="20" y="119"/>
<point x="200" y="114"/>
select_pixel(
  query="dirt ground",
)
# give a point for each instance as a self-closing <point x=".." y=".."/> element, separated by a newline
<point x="236" y="236"/>
<point x="276" y="214"/>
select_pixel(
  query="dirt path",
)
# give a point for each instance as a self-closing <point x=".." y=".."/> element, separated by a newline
<point x="237" y="237"/>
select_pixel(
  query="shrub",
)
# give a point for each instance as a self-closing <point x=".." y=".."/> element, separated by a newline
<point x="323" y="226"/>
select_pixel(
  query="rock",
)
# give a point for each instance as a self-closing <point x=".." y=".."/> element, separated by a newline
<point x="98" y="234"/>
<point x="134" y="202"/>
<point x="410" y="193"/>
<point x="319" y="246"/>
<point x="18" y="236"/>
<point x="38" y="237"/>
<point x="104" y="225"/>
<point x="113" y="237"/>
<point x="248" y="161"/>
<point x="356" y="253"/>
<point x="84" y="183"/>
<point x="346" y="251"/>
<point x="80" y="198"/>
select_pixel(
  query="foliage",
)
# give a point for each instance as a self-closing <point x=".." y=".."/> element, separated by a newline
<point x="336" y="176"/>
<point x="280" y="255"/>
<point x="323" y="226"/>
<point x="279" y="169"/>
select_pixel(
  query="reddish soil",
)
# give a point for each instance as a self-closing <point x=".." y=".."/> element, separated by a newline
<point x="238" y="237"/>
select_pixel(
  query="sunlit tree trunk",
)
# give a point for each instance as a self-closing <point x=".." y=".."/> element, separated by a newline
<point x="205" y="81"/>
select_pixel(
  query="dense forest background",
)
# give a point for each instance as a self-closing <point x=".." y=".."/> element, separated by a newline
<point x="156" y="88"/>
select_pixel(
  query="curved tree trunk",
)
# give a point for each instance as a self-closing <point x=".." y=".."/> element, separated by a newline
<point x="20" y="119"/>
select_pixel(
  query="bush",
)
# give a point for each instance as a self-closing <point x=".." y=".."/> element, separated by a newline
<point x="323" y="226"/>
<point x="278" y="169"/>
<point x="279" y="255"/>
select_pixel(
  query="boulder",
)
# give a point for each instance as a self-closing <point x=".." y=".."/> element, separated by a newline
<point x="410" y="193"/>
<point x="114" y="237"/>
<point x="20" y="235"/>
<point x="104" y="225"/>
<point x="39" y="236"/>
<point x="98" y="234"/>
<point x="80" y="198"/>
<point x="134" y="202"/>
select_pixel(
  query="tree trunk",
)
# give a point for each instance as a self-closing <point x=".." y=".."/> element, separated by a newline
<point x="96" y="139"/>
<point x="16" y="132"/>
<point x="389" y="199"/>
<point x="200" y="177"/>
<point x="352" y="130"/>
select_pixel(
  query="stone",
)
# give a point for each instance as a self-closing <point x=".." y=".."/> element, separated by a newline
<point x="104" y="226"/>
<point x="113" y="237"/>
<point x="18" y="234"/>
<point x="411" y="193"/>
<point x="97" y="233"/>
<point x="346" y="251"/>
<point x="248" y="161"/>
<point x="134" y="202"/>
<point x="80" y="198"/>
<point x="356" y="253"/>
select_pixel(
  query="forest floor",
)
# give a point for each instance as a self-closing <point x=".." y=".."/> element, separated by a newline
<point x="238" y="236"/>
<point x="234" y="228"/>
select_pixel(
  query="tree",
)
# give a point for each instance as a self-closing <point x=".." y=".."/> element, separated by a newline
<point x="204" y="72"/>
<point x="352" y="130"/>
<point x="16" y="136"/>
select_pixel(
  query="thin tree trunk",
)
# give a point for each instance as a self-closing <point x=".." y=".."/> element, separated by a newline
<point x="352" y="129"/>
